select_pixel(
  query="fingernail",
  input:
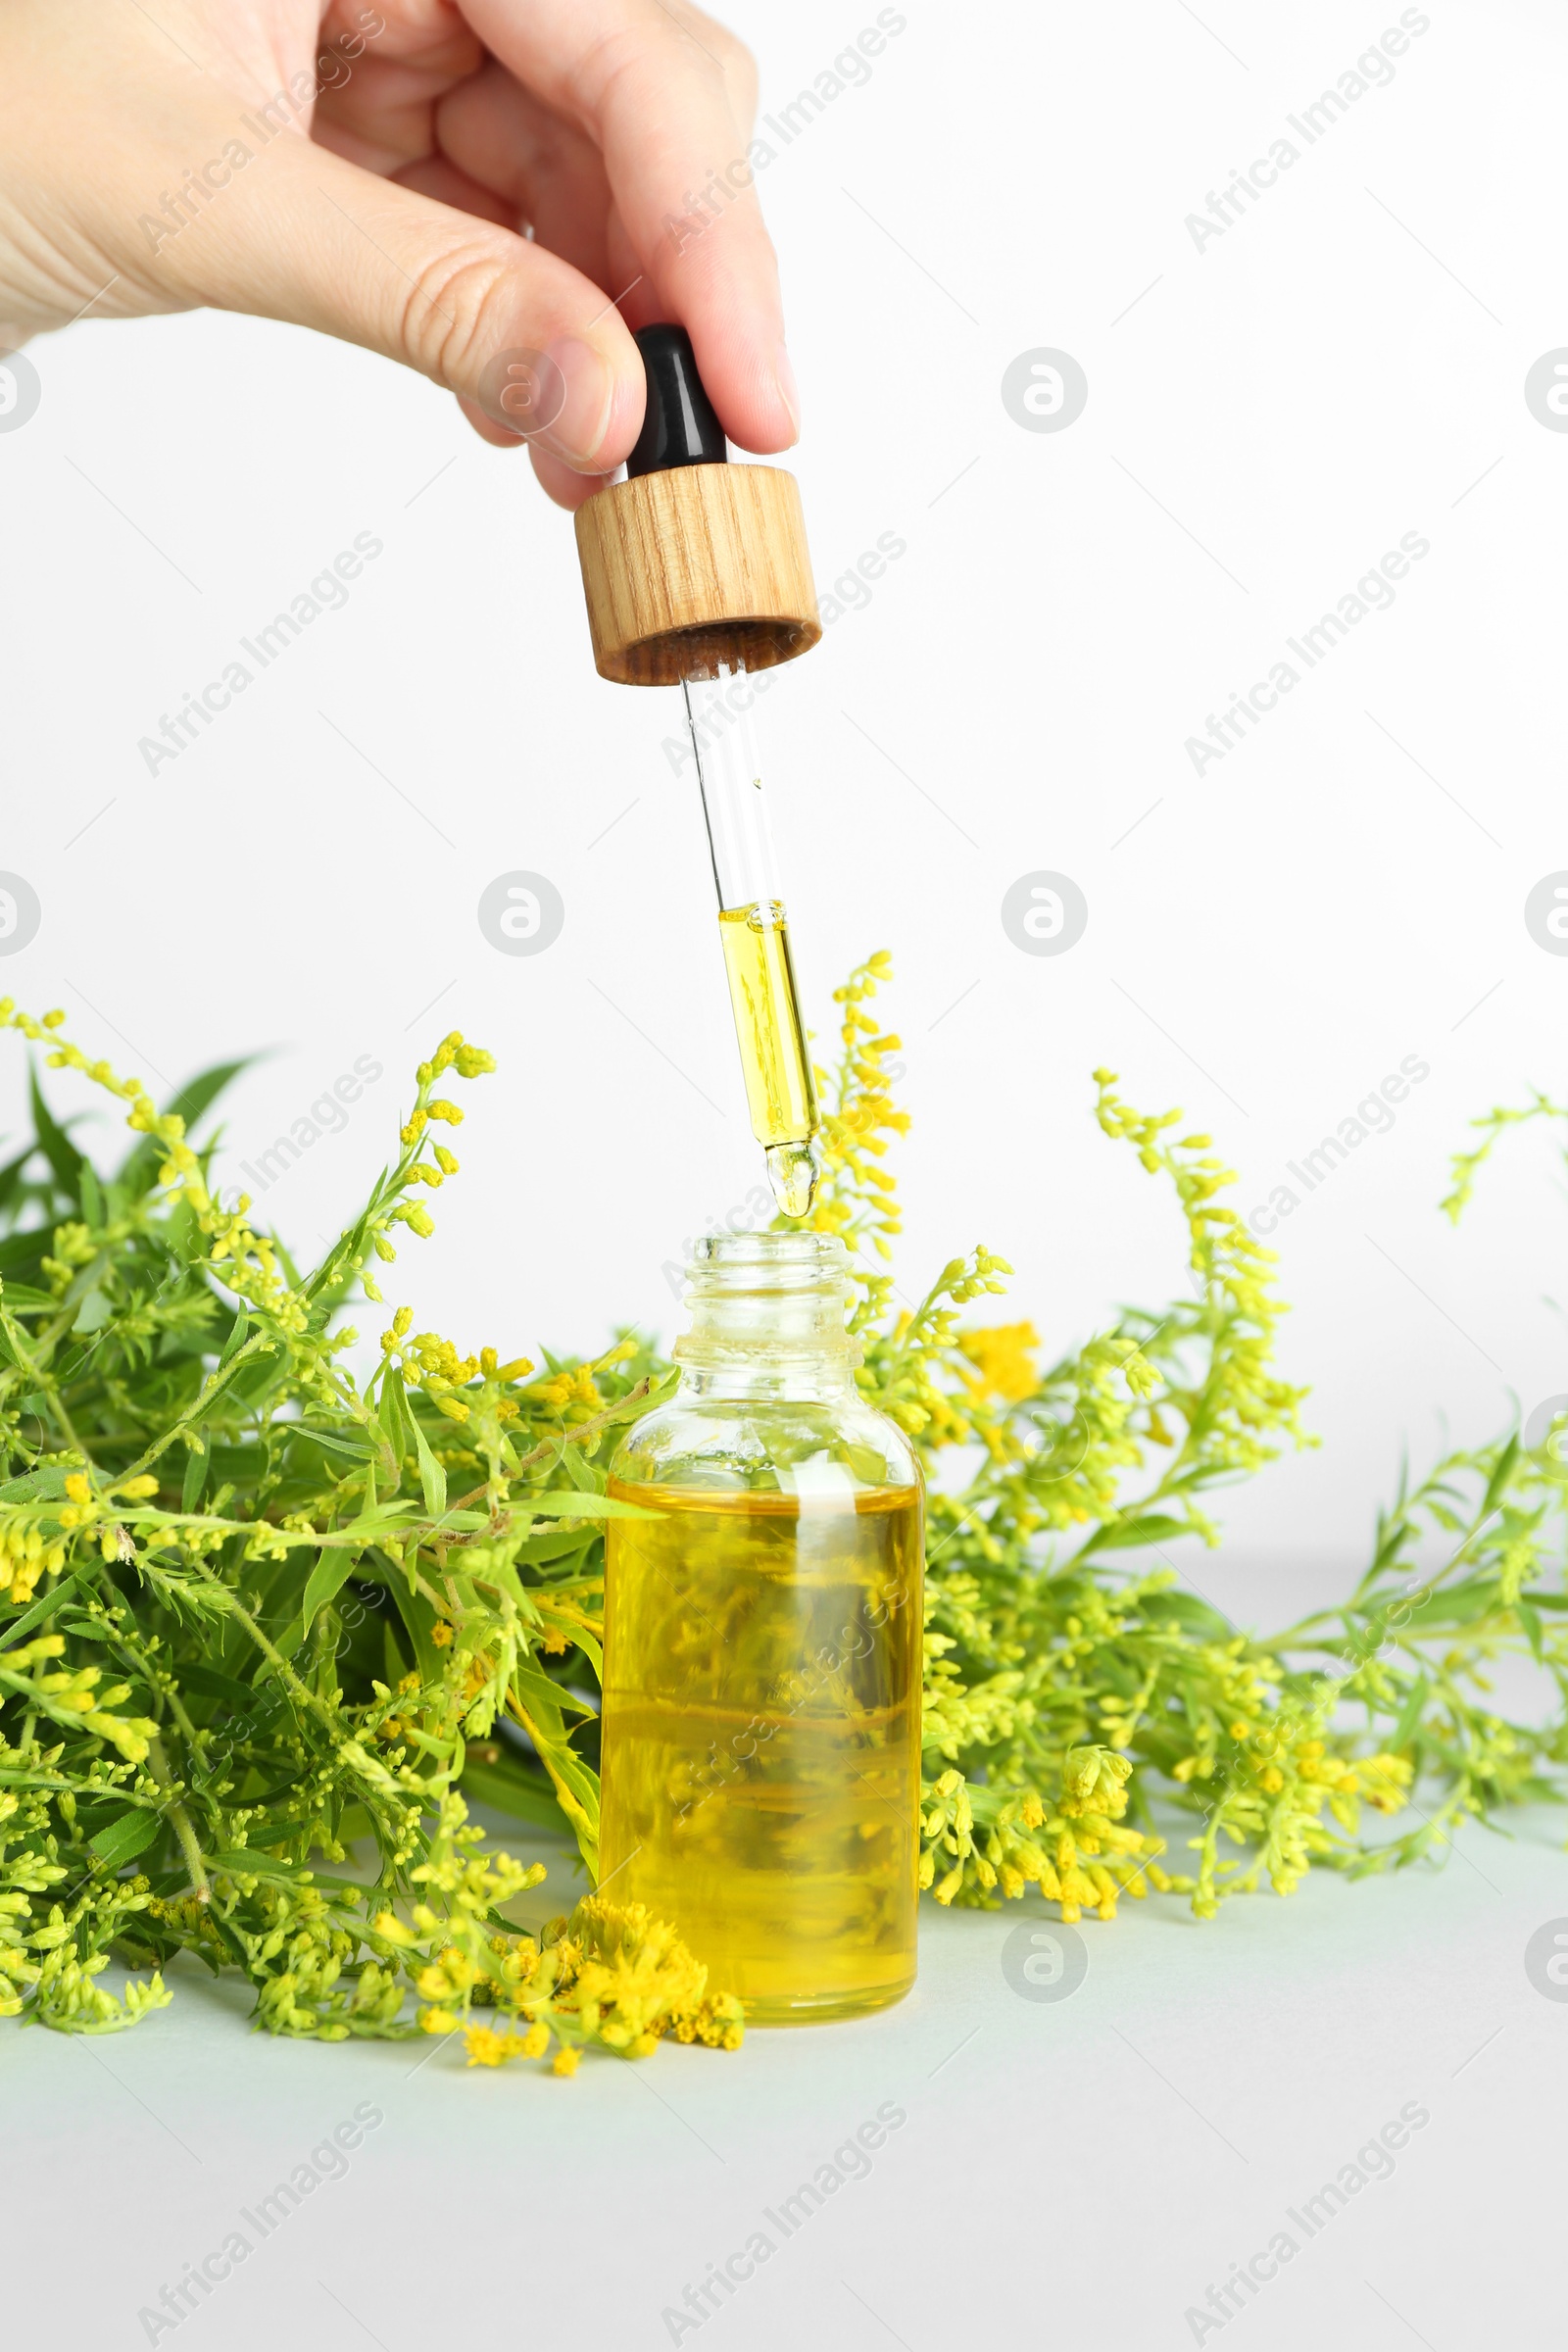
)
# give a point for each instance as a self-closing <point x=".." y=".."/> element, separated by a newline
<point x="788" y="390"/>
<point x="587" y="391"/>
<point x="559" y="398"/>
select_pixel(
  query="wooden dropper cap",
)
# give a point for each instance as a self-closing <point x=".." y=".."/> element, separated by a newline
<point x="691" y="562"/>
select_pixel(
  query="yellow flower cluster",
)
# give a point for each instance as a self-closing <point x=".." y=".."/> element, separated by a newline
<point x="25" y="1557"/>
<point x="426" y="1361"/>
<point x="857" y="1199"/>
<point x="1004" y="1358"/>
<point x="78" y="1700"/>
<point x="1078" y="1853"/>
<point x="1279" y="1774"/>
<point x="574" y="1391"/>
<point x="610" y="1973"/>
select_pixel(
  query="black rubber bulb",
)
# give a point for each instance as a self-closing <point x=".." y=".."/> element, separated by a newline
<point x="679" y="426"/>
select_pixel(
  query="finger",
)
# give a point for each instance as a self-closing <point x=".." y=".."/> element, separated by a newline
<point x="297" y="233"/>
<point x="434" y="175"/>
<point x="385" y="118"/>
<point x="560" y="482"/>
<point x="377" y="101"/>
<point x="495" y="130"/>
<point x="666" y="96"/>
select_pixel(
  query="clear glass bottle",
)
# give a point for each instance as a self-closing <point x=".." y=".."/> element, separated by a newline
<point x="762" y="1693"/>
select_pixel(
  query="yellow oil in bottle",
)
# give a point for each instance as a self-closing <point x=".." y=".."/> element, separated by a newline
<point x="761" y="1737"/>
<point x="779" y="1090"/>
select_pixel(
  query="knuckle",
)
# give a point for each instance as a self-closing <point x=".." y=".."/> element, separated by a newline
<point x="450" y="309"/>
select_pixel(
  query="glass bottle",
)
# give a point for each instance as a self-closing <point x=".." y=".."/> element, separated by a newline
<point x="761" y="1691"/>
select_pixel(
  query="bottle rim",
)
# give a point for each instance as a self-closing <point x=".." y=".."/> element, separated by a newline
<point x="798" y="1260"/>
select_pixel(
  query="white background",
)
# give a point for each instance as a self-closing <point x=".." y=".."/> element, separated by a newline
<point x="1266" y="417"/>
<point x="1270" y="939"/>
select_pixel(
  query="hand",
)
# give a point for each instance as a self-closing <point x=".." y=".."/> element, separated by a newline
<point x="370" y="171"/>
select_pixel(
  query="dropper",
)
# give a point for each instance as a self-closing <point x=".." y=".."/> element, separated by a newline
<point x="696" y="574"/>
<point x="779" y="1090"/>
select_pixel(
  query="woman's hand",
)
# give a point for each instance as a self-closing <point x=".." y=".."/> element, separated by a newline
<point x="370" y="170"/>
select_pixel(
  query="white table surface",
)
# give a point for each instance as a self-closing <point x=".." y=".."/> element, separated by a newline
<point x="1070" y="2169"/>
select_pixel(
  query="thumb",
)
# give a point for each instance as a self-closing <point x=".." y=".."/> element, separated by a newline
<point x="298" y="233"/>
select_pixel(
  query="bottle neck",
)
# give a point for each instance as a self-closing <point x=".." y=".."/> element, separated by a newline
<point x="782" y="1380"/>
<point x="767" y="1318"/>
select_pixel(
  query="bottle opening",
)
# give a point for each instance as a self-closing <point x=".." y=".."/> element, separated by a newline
<point x="795" y="1261"/>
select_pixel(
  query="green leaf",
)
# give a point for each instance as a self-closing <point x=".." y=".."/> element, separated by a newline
<point x="36" y="1486"/>
<point x="581" y="1472"/>
<point x="212" y="1685"/>
<point x="1194" y="1614"/>
<point x="55" y="1144"/>
<point x="561" y="1504"/>
<point x="200" y="1092"/>
<point x="567" y="1542"/>
<point x="392" y="1415"/>
<point x="138" y="1171"/>
<point x="24" y="1299"/>
<point x="432" y="1478"/>
<point x="386" y="1517"/>
<point x="38" y="1614"/>
<point x="352" y="1450"/>
<point x="236" y="1340"/>
<point x="1123" y="1535"/>
<point x="11" y="1177"/>
<point x="547" y="1698"/>
<point x="197" y="1464"/>
<point x="370" y="1517"/>
<point x="1409" y="1716"/>
<point x="128" y="1835"/>
<point x="1500" y="1478"/>
<point x="326" y="1580"/>
<point x="261" y="1866"/>
<point x="582" y="1640"/>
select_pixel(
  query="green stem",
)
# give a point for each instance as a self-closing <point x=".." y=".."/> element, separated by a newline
<point x="57" y="1784"/>
<point x="214" y="1383"/>
<point x="274" y="1655"/>
<point x="181" y="1821"/>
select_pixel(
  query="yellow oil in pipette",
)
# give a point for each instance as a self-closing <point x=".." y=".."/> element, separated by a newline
<point x="774" y="1057"/>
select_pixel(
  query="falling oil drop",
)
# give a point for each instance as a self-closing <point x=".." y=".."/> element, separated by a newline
<point x="791" y="1171"/>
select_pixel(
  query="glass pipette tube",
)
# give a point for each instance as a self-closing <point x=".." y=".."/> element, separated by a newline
<point x="779" y="1090"/>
